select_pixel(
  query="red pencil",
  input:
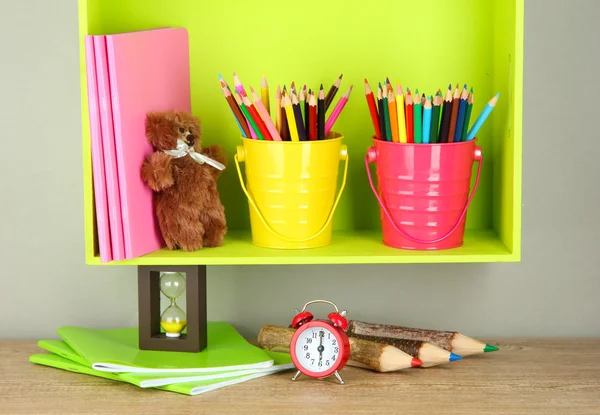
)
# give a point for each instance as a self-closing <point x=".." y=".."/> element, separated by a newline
<point x="410" y="133"/>
<point x="312" y="111"/>
<point x="372" y="109"/>
<point x="256" y="117"/>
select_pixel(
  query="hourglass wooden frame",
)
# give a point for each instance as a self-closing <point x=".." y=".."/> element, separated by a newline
<point x="150" y="335"/>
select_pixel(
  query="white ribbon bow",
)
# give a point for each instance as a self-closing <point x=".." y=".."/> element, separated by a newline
<point x="183" y="149"/>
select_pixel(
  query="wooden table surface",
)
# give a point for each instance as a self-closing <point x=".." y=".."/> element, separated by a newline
<point x="527" y="376"/>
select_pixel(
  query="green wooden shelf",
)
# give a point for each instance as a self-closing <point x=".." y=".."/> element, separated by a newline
<point x="347" y="247"/>
<point x="484" y="49"/>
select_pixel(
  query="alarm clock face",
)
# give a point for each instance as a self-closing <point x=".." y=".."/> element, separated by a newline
<point x="318" y="349"/>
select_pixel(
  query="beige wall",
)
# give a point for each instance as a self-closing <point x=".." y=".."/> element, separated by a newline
<point x="554" y="291"/>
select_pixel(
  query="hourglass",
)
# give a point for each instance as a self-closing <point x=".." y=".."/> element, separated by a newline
<point x="173" y="319"/>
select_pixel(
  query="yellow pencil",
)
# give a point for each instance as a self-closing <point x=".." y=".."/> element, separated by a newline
<point x="393" y="115"/>
<point x="291" y="119"/>
<point x="278" y="109"/>
<point x="400" y="111"/>
<point x="264" y="94"/>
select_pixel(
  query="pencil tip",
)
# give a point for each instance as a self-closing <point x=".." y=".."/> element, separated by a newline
<point x="498" y="95"/>
<point x="450" y="87"/>
<point x="220" y="77"/>
<point x="366" y="82"/>
<point x="465" y="87"/>
<point x="490" y="348"/>
<point x="341" y="76"/>
<point x="471" y="90"/>
<point x="454" y="357"/>
<point x="379" y="83"/>
<point x="416" y="362"/>
<point x="321" y="86"/>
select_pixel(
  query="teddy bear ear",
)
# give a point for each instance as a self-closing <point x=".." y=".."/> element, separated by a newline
<point x="158" y="128"/>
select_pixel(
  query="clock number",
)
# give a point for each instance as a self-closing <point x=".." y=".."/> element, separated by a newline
<point x="308" y="341"/>
<point x="305" y="347"/>
<point x="334" y="342"/>
<point x="314" y="335"/>
<point x="308" y="355"/>
<point x="335" y="349"/>
<point x="328" y="336"/>
<point x="327" y="362"/>
<point x="313" y="361"/>
<point x="320" y="363"/>
<point x="333" y="358"/>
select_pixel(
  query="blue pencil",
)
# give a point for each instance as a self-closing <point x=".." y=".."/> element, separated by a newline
<point x="427" y="120"/>
<point x="482" y="117"/>
<point x="462" y="109"/>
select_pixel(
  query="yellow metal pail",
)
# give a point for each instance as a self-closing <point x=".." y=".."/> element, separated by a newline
<point x="291" y="190"/>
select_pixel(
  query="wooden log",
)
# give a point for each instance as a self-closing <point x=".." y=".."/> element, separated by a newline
<point x="450" y="340"/>
<point x="363" y="353"/>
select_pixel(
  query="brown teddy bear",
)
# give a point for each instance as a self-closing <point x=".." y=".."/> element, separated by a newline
<point x="184" y="180"/>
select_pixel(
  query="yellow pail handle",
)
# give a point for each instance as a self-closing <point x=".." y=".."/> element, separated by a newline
<point x="343" y="155"/>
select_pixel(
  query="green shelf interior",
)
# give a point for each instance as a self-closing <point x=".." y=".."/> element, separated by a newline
<point x="425" y="45"/>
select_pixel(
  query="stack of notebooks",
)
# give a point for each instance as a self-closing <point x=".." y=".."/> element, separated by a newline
<point x="114" y="354"/>
<point x="129" y="75"/>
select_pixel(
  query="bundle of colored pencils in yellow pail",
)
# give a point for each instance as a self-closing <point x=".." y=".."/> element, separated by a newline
<point x="299" y="116"/>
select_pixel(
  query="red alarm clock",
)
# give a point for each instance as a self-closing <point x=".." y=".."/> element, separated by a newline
<point x="320" y="348"/>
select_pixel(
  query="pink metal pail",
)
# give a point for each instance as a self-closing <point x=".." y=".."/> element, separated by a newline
<point x="423" y="192"/>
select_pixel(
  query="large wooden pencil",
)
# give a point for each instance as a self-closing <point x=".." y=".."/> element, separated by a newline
<point x="381" y="115"/>
<point x="291" y="118"/>
<point x="386" y="114"/>
<point x="417" y="119"/>
<point x="303" y="99"/>
<point x="446" y="112"/>
<point x="372" y="109"/>
<point x="426" y="120"/>
<point x="332" y="91"/>
<point x="428" y="353"/>
<point x="306" y="105"/>
<point x="285" y="128"/>
<point x="251" y="125"/>
<point x="435" y="118"/>
<point x="489" y="107"/>
<point x="298" y="117"/>
<point x="335" y="114"/>
<point x="450" y="340"/>
<point x="467" y="116"/>
<point x="410" y="138"/>
<point x="235" y="109"/>
<point x="393" y="116"/>
<point x="401" y="116"/>
<point x="262" y="133"/>
<point x="462" y="110"/>
<point x="264" y="93"/>
<point x="321" y="114"/>
<point x="266" y="118"/>
<point x="454" y="115"/>
<point x="312" y="111"/>
<point x="363" y="353"/>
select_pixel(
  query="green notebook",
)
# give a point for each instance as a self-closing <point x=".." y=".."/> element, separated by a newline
<point x="117" y="351"/>
<point x="150" y="380"/>
<point x="281" y="363"/>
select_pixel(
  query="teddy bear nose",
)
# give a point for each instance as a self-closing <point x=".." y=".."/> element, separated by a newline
<point x="190" y="139"/>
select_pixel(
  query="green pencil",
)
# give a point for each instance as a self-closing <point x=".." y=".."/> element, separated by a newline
<point x="238" y="99"/>
<point x="435" y="118"/>
<point x="417" y="116"/>
<point x="467" y="116"/>
<point x="386" y="114"/>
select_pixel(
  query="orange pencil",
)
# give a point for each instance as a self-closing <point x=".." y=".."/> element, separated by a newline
<point x="410" y="134"/>
<point x="393" y="116"/>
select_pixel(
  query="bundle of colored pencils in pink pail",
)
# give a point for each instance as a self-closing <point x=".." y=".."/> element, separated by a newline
<point x="299" y="116"/>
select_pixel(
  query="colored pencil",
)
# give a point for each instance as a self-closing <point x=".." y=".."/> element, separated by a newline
<point x="337" y="111"/>
<point x="489" y="107"/>
<point x="435" y="118"/>
<point x="312" y="111"/>
<point x="467" y="116"/>
<point x="372" y="109"/>
<point x="400" y="110"/>
<point x="291" y="118"/>
<point x="235" y="110"/>
<point x="454" y="114"/>
<point x="381" y="114"/>
<point x="285" y="128"/>
<point x="332" y="92"/>
<point x="418" y="119"/>
<point x="386" y="113"/>
<point x="306" y="104"/>
<point x="321" y="114"/>
<point x="393" y="116"/>
<point x="238" y="85"/>
<point x="264" y="93"/>
<point x="278" y="109"/>
<point x="298" y="118"/>
<point x="426" y="121"/>
<point x="446" y="112"/>
<point x="262" y="132"/>
<point x="266" y="118"/>
<point x="462" y="108"/>
<point x="410" y="138"/>
<point x="244" y="109"/>
<point x="450" y="340"/>
<point x="428" y="353"/>
<point x="302" y="98"/>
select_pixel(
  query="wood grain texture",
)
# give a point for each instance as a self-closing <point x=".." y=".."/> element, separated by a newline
<point x="526" y="377"/>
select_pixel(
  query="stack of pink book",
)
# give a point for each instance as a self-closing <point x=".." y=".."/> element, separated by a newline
<point x="129" y="75"/>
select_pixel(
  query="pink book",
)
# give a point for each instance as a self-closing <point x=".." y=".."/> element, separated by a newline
<point x="108" y="144"/>
<point x="97" y="155"/>
<point x="149" y="71"/>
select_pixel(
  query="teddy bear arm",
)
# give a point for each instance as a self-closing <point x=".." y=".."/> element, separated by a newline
<point x="157" y="172"/>
<point x="216" y="152"/>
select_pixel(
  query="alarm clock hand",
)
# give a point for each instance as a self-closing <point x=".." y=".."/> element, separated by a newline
<point x="321" y="348"/>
